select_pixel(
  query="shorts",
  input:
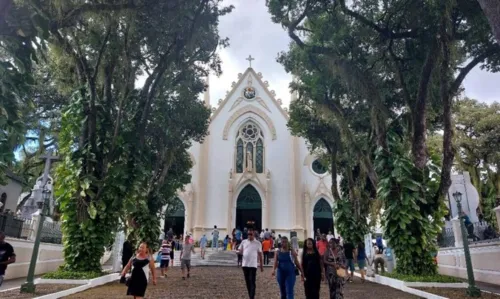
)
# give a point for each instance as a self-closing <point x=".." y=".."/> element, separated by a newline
<point x="203" y="247"/>
<point x="361" y="264"/>
<point x="350" y="264"/>
<point x="164" y="263"/>
<point x="185" y="263"/>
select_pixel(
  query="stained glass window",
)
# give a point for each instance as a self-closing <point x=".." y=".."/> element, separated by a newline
<point x="322" y="209"/>
<point x="239" y="156"/>
<point x="318" y="167"/>
<point x="250" y="139"/>
<point x="259" y="157"/>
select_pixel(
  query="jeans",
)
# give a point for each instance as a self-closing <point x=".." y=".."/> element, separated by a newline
<point x="286" y="279"/>
<point x="215" y="243"/>
<point x="266" y="257"/>
<point x="250" y="274"/>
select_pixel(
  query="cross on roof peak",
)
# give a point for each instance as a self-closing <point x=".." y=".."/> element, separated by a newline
<point x="250" y="58"/>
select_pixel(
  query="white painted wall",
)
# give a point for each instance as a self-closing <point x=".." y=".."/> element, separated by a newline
<point x="13" y="190"/>
<point x="278" y="156"/>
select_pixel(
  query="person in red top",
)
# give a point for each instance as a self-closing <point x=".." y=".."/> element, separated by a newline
<point x="322" y="245"/>
<point x="266" y="248"/>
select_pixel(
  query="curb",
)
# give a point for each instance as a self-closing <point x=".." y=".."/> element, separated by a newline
<point x="400" y="285"/>
<point x="91" y="283"/>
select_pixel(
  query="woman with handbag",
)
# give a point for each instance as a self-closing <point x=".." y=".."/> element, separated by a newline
<point x="141" y="264"/>
<point x="335" y="261"/>
<point x="312" y="264"/>
<point x="288" y="265"/>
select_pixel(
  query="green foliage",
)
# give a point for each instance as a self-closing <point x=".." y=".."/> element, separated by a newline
<point x="423" y="278"/>
<point x="478" y="139"/>
<point x="63" y="274"/>
<point x="411" y="219"/>
<point x="349" y="227"/>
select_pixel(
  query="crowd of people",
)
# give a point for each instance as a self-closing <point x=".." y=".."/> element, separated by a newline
<point x="325" y="258"/>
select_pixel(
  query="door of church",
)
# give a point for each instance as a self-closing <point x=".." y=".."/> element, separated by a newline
<point x="323" y="217"/>
<point x="174" y="217"/>
<point x="249" y="209"/>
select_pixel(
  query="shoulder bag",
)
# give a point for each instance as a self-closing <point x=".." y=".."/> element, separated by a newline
<point x="340" y="271"/>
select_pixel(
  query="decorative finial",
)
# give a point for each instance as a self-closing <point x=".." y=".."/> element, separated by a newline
<point x="266" y="83"/>
<point x="233" y="84"/>
<point x="273" y="92"/>
<point x="219" y="102"/>
<point x="280" y="102"/>
<point x="250" y="58"/>
<point x="239" y="75"/>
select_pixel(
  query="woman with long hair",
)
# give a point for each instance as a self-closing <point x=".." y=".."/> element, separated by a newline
<point x="285" y="262"/>
<point x="141" y="264"/>
<point x="336" y="262"/>
<point x="312" y="264"/>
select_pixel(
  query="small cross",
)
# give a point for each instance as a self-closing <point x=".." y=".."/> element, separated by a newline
<point x="250" y="58"/>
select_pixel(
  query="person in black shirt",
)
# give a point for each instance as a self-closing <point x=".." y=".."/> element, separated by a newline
<point x="313" y="267"/>
<point x="7" y="256"/>
<point x="349" y="255"/>
<point x="127" y="253"/>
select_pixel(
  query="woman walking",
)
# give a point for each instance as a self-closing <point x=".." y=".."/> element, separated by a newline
<point x="285" y="262"/>
<point x="141" y="264"/>
<point x="335" y="260"/>
<point x="312" y="264"/>
<point x="361" y="257"/>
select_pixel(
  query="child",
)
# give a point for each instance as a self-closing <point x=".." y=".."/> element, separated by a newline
<point x="186" y="251"/>
<point x="165" y="250"/>
<point x="228" y="244"/>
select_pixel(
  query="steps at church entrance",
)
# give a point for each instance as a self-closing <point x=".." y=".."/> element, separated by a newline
<point x="212" y="258"/>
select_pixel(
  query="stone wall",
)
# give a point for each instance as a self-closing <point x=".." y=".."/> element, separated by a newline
<point x="485" y="261"/>
<point x="50" y="257"/>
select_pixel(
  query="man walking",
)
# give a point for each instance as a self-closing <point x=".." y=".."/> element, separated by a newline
<point x="187" y="249"/>
<point x="7" y="256"/>
<point x="251" y="249"/>
<point x="215" y="238"/>
<point x="349" y="251"/>
<point x="203" y="246"/>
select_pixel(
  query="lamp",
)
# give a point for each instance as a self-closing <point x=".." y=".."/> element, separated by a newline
<point x="472" y="290"/>
<point x="457" y="196"/>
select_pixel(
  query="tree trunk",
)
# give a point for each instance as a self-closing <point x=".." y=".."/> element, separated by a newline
<point x="491" y="9"/>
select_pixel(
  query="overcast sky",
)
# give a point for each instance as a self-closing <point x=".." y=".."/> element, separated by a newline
<point x="251" y="31"/>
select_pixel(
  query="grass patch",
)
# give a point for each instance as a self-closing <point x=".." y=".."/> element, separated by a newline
<point x="423" y="278"/>
<point x="63" y="274"/>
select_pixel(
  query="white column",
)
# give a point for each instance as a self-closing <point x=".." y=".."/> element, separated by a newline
<point x="266" y="204"/>
<point x="457" y="232"/>
<point x="188" y="223"/>
<point x="307" y="209"/>
<point x="230" y="206"/>
<point x="497" y="213"/>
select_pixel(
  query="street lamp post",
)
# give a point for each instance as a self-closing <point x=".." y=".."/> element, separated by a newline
<point x="44" y="203"/>
<point x="29" y="285"/>
<point x="472" y="290"/>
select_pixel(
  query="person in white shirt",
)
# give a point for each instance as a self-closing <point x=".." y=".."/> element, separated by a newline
<point x="329" y="236"/>
<point x="251" y="249"/>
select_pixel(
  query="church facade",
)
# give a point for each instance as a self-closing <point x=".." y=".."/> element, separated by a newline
<point x="250" y="170"/>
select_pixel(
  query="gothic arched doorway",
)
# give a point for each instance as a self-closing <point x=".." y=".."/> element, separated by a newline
<point x="249" y="208"/>
<point x="175" y="217"/>
<point x="323" y="217"/>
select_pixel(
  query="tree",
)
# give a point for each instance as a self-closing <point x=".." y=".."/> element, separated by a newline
<point x="109" y="137"/>
<point x="478" y="139"/>
<point x="491" y="9"/>
<point x="413" y="51"/>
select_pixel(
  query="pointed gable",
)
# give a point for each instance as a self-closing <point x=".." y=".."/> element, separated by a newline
<point x="249" y="88"/>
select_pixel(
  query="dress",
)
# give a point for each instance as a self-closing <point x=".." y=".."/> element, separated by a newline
<point x="335" y="282"/>
<point x="312" y="274"/>
<point x="140" y="276"/>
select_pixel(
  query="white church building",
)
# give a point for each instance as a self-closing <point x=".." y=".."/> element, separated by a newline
<point x="250" y="170"/>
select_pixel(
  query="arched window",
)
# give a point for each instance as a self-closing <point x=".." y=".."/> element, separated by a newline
<point x="250" y="148"/>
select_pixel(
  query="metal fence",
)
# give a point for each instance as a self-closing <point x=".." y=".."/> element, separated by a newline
<point x="51" y="233"/>
<point x="16" y="227"/>
<point x="481" y="231"/>
<point x="446" y="238"/>
<point x="12" y="225"/>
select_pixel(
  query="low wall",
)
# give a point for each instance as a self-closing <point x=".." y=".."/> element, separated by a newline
<point x="50" y="257"/>
<point x="485" y="261"/>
